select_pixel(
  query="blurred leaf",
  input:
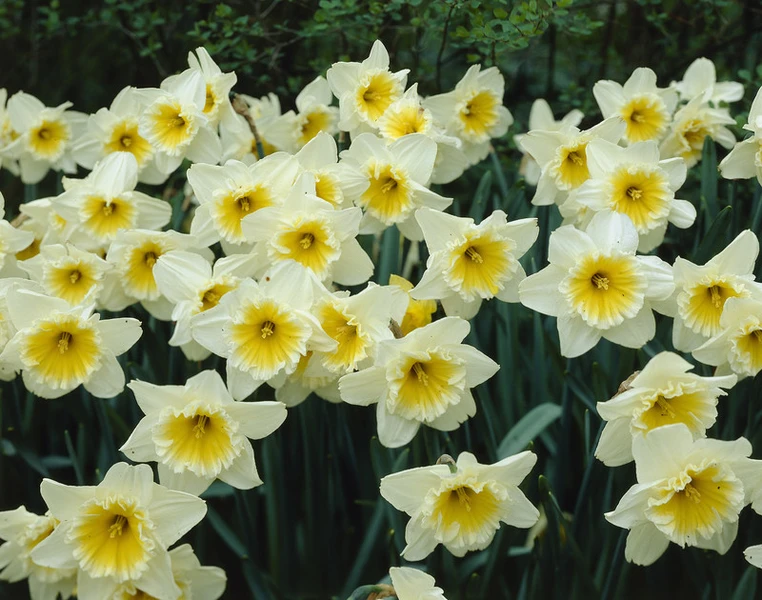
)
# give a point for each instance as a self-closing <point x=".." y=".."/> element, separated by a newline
<point x="528" y="428"/>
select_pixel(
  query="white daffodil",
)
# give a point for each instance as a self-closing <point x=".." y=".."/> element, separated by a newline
<point x="228" y="193"/>
<point x="48" y="227"/>
<point x="175" y="123"/>
<point x="597" y="287"/>
<point x="358" y="323"/>
<point x="701" y="76"/>
<point x="117" y="532"/>
<point x="335" y="182"/>
<point x="105" y="202"/>
<point x="193" y="286"/>
<point x="473" y="111"/>
<point x="469" y="263"/>
<point x="412" y="584"/>
<point x="365" y="90"/>
<point x="691" y="125"/>
<point x="701" y="291"/>
<point x="745" y="159"/>
<point x="418" y="313"/>
<point x="264" y="329"/>
<point x="23" y="531"/>
<point x="738" y="345"/>
<point x="8" y="370"/>
<point x="460" y="505"/>
<point x="12" y="241"/>
<point x="45" y="136"/>
<point x="194" y="581"/>
<point x="561" y="156"/>
<point x="753" y="554"/>
<point x="67" y="272"/>
<point x="58" y="347"/>
<point x="633" y="181"/>
<point x="276" y="131"/>
<point x="133" y="255"/>
<point x="645" y="108"/>
<point x="688" y="492"/>
<point x="424" y="378"/>
<point x="541" y="119"/>
<point x="115" y="129"/>
<point x="217" y="105"/>
<point x="398" y="175"/>
<point x="197" y="433"/>
<point x="309" y="377"/>
<point x="310" y="231"/>
<point x="7" y="135"/>
<point x="661" y="394"/>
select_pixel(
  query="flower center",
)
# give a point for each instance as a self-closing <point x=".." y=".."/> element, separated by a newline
<point x="600" y="281"/>
<point x="701" y="305"/>
<point x="641" y="193"/>
<point x="231" y="207"/>
<point x="377" y="94"/>
<point x="48" y="140"/>
<point x="479" y="266"/>
<point x="125" y="138"/>
<point x="646" y="117"/>
<point x="268" y="328"/>
<point x="103" y="218"/>
<point x="479" y="115"/>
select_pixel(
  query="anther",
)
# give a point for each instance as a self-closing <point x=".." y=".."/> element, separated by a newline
<point x="198" y="428"/>
<point x="63" y="342"/>
<point x="474" y="255"/>
<point x="268" y="328"/>
<point x="306" y="240"/>
<point x="115" y="529"/>
<point x="600" y="281"/>
<point x="420" y="373"/>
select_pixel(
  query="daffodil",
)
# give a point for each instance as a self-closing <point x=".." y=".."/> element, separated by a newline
<point x="744" y="161"/>
<point x="193" y="286"/>
<point x="473" y="111"/>
<point x="738" y="345"/>
<point x="48" y="227"/>
<point x="58" y="347"/>
<point x="68" y="272"/>
<point x="264" y="329"/>
<point x="412" y="584"/>
<point x="228" y="193"/>
<point x="44" y="136"/>
<point x="541" y="119"/>
<point x="597" y="287"/>
<point x="133" y="256"/>
<point x="460" y="505"/>
<point x="397" y="175"/>
<point x="310" y="231"/>
<point x="561" y="156"/>
<point x="7" y="135"/>
<point x="365" y="90"/>
<point x="23" y="531"/>
<point x="689" y="492"/>
<point x="335" y="182"/>
<point x="197" y="433"/>
<point x="309" y="377"/>
<point x="419" y="312"/>
<point x="116" y="129"/>
<point x="691" y="125"/>
<point x="645" y="108"/>
<point x="12" y="241"/>
<point x="105" y="202"/>
<point x="424" y="378"/>
<point x="469" y="263"/>
<point x="175" y="123"/>
<point x="117" y="532"/>
<point x="701" y="77"/>
<point x="217" y="86"/>
<point x="8" y="369"/>
<point x="634" y="181"/>
<point x="663" y="393"/>
<point x="275" y="130"/>
<point x="701" y="291"/>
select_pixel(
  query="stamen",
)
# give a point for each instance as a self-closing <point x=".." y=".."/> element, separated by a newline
<point x="371" y="95"/>
<point x="44" y="134"/>
<point x="474" y="255"/>
<point x="420" y="373"/>
<point x="467" y="109"/>
<point x="575" y="158"/>
<point x="463" y="498"/>
<point x="177" y="122"/>
<point x="634" y="193"/>
<point x="198" y="428"/>
<point x="637" y="117"/>
<point x="75" y="276"/>
<point x="268" y="328"/>
<point x="306" y="240"/>
<point x="150" y="259"/>
<point x="115" y="529"/>
<point x="107" y="209"/>
<point x="716" y="296"/>
<point x="600" y="281"/>
<point x="666" y="409"/>
<point x="692" y="493"/>
<point x="126" y="141"/>
<point x="244" y="203"/>
<point x="389" y="185"/>
<point x="63" y="342"/>
<point x="211" y="297"/>
<point x="757" y="333"/>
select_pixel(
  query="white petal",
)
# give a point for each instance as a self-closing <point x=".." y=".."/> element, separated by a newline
<point x="645" y="544"/>
<point x="406" y="490"/>
<point x="576" y="336"/>
<point x="394" y="431"/>
<point x="659" y="454"/>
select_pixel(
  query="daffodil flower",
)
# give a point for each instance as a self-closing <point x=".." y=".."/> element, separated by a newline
<point x="460" y="507"/>
<point x="744" y="161"/>
<point x="469" y="263"/>
<point x="663" y="393"/>
<point x="197" y="433"/>
<point x="597" y="286"/>
<point x="217" y="106"/>
<point x="419" y="312"/>
<point x="689" y="492"/>
<point x="701" y="77"/>
<point x="412" y="584"/>
<point x="58" y="347"/>
<point x="424" y="378"/>
<point x="117" y="532"/>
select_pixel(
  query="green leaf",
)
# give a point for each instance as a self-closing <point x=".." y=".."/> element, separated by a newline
<point x="747" y="585"/>
<point x="228" y="535"/>
<point x="719" y="226"/>
<point x="528" y="428"/>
